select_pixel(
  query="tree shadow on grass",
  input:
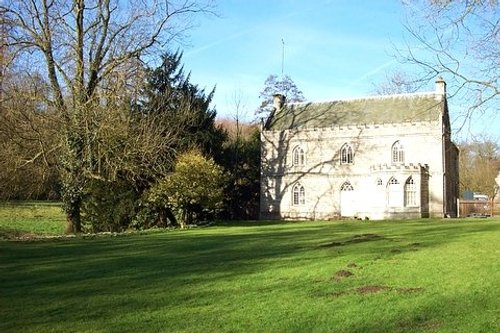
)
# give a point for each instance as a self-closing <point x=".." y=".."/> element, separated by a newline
<point x="87" y="278"/>
<point x="203" y="248"/>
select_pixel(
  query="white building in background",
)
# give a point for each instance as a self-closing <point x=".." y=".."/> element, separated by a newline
<point x="375" y="157"/>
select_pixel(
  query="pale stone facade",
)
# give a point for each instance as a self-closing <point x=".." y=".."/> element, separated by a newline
<point x="376" y="158"/>
<point x="497" y="180"/>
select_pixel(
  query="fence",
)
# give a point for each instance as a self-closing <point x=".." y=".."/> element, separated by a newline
<point x="475" y="208"/>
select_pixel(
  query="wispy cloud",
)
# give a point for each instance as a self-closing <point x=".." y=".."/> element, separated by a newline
<point x="372" y="72"/>
<point x="220" y="41"/>
<point x="273" y="21"/>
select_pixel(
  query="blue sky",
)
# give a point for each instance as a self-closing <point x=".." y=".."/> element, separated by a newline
<point x="333" y="49"/>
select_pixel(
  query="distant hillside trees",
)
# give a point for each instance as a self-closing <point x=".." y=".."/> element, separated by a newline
<point x="241" y="160"/>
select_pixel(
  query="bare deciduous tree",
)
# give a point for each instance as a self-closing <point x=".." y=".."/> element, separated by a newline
<point x="27" y="139"/>
<point x="397" y="82"/>
<point x="458" y="40"/>
<point x="479" y="166"/>
<point x="81" y="47"/>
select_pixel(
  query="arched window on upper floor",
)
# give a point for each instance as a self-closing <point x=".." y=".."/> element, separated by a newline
<point x="346" y="156"/>
<point x="298" y="195"/>
<point x="298" y="156"/>
<point x="397" y="153"/>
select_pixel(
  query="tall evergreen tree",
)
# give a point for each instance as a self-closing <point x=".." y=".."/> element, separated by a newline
<point x="180" y="110"/>
<point x="170" y="94"/>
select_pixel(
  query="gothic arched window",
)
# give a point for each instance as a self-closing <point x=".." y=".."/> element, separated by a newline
<point x="298" y="156"/>
<point x="398" y="153"/>
<point x="410" y="193"/>
<point x="394" y="195"/>
<point x="298" y="195"/>
<point x="346" y="154"/>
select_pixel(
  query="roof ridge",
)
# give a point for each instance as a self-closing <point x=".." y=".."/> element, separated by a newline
<point x="369" y="97"/>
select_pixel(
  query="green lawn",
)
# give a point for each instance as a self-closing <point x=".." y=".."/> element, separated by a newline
<point x="406" y="276"/>
<point x="25" y="219"/>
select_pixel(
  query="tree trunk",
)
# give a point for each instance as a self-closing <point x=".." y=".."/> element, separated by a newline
<point x="73" y="215"/>
<point x="171" y="217"/>
<point x="73" y="180"/>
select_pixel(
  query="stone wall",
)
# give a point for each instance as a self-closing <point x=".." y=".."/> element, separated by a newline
<point x="322" y="174"/>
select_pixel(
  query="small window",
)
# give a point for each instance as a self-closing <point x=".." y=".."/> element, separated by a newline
<point x="393" y="181"/>
<point x="410" y="193"/>
<point x="299" y="157"/>
<point x="379" y="182"/>
<point x="347" y="186"/>
<point x="346" y="154"/>
<point x="398" y="153"/>
<point x="298" y="195"/>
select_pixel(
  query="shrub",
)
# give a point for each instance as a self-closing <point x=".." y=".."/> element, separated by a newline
<point x="193" y="192"/>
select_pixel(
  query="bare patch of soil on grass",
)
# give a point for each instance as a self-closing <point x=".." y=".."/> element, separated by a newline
<point x="342" y="274"/>
<point x="371" y="289"/>
<point x="409" y="290"/>
<point x="410" y="247"/>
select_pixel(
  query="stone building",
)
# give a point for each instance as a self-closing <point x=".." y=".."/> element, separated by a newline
<point x="377" y="157"/>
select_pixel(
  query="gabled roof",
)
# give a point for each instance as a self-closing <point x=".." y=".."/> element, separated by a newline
<point x="370" y="110"/>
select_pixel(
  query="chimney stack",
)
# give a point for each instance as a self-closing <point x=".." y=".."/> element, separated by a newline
<point x="440" y="86"/>
<point x="278" y="101"/>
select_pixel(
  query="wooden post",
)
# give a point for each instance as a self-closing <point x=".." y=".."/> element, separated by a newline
<point x="491" y="206"/>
